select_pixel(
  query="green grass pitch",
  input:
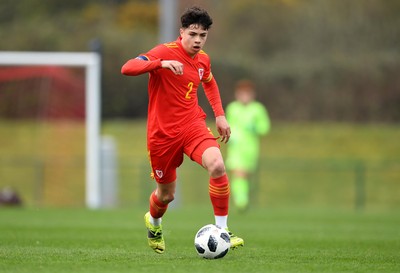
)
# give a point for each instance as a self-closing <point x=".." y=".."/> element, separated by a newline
<point x="276" y="240"/>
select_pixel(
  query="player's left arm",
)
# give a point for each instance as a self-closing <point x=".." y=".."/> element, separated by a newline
<point x="262" y="122"/>
<point x="213" y="96"/>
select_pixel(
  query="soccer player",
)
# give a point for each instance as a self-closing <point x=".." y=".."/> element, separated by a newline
<point x="249" y="121"/>
<point x="176" y="123"/>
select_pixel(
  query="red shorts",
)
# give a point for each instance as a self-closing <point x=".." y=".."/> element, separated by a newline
<point x="166" y="158"/>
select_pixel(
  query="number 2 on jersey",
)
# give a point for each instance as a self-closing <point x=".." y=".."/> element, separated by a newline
<point x="190" y="85"/>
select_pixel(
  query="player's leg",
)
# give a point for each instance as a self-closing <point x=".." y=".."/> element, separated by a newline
<point x="219" y="189"/>
<point x="159" y="200"/>
<point x="240" y="189"/>
<point x="165" y="176"/>
<point x="208" y="154"/>
<point x="241" y="161"/>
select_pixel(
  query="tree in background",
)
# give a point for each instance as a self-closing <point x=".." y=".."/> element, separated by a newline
<point x="320" y="59"/>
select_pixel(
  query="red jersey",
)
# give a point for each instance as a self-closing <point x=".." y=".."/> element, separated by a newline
<point x="173" y="101"/>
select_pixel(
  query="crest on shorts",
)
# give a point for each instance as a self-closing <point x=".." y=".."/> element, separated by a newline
<point x="159" y="173"/>
<point x="201" y="73"/>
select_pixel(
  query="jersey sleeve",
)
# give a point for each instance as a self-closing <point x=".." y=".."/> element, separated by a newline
<point x="138" y="66"/>
<point x="211" y="87"/>
<point x="145" y="62"/>
<point x="229" y="112"/>
<point x="212" y="93"/>
<point x="262" y="122"/>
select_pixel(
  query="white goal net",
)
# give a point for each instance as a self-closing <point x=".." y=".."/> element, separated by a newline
<point x="17" y="64"/>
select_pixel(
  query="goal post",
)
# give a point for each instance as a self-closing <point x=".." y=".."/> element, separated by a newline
<point x="91" y="62"/>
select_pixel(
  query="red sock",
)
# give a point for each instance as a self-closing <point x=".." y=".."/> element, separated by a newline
<point x="157" y="209"/>
<point x="219" y="194"/>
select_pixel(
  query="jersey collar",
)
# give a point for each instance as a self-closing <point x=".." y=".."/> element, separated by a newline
<point x="179" y="43"/>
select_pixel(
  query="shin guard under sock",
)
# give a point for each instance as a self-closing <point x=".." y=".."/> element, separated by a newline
<point x="157" y="208"/>
<point x="219" y="195"/>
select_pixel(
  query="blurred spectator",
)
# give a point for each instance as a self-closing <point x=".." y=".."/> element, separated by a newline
<point x="249" y="121"/>
<point x="9" y="197"/>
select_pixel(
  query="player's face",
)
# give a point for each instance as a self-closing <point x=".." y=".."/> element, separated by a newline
<point x="245" y="96"/>
<point x="193" y="38"/>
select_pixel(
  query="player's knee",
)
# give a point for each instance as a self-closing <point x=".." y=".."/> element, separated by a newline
<point x="216" y="168"/>
<point x="167" y="198"/>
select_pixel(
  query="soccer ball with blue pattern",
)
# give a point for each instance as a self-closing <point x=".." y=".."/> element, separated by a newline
<point x="212" y="242"/>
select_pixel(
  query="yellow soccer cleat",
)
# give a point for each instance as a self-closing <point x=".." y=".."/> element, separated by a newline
<point x="235" y="241"/>
<point x="154" y="235"/>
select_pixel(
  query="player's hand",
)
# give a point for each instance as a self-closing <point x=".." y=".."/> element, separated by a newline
<point x="174" y="66"/>
<point x="223" y="128"/>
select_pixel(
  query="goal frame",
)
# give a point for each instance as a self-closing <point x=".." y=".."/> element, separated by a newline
<point x="91" y="61"/>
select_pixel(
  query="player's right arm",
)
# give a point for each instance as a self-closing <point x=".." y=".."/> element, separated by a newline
<point x="142" y="64"/>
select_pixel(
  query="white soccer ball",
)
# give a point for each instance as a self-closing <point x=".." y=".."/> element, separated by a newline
<point x="212" y="242"/>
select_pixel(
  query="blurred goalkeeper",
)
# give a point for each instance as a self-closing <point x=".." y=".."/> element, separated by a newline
<point x="176" y="123"/>
<point x="249" y="121"/>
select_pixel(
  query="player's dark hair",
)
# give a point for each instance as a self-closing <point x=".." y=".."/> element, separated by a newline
<point x="245" y="84"/>
<point x="196" y="15"/>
